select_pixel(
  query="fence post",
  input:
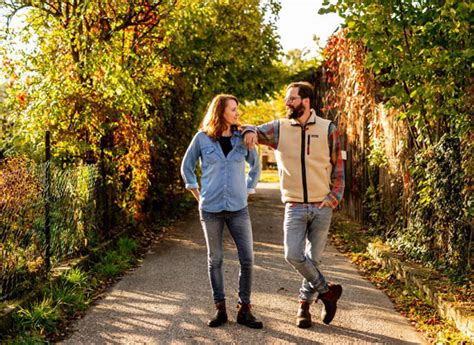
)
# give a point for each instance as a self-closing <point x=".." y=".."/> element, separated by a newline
<point x="47" y="196"/>
<point x="104" y="192"/>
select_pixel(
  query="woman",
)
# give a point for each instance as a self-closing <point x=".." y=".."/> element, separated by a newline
<point x="223" y="199"/>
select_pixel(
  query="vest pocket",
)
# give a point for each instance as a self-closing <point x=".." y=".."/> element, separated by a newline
<point x="328" y="175"/>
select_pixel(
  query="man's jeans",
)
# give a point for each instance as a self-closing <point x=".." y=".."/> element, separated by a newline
<point x="306" y="230"/>
<point x="241" y="231"/>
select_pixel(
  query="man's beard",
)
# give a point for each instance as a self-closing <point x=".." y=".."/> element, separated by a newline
<point x="295" y="112"/>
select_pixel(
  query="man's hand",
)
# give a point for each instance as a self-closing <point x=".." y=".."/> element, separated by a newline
<point x="326" y="203"/>
<point x="250" y="140"/>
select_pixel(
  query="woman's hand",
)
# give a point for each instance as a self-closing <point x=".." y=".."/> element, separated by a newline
<point x="196" y="194"/>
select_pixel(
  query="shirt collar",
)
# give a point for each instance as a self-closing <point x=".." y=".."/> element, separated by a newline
<point x="311" y="119"/>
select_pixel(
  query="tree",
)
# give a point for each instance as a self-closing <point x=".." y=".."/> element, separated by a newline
<point x="127" y="81"/>
<point x="224" y="46"/>
<point x="421" y="53"/>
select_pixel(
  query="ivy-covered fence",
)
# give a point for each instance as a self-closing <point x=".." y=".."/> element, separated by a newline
<point x="416" y="194"/>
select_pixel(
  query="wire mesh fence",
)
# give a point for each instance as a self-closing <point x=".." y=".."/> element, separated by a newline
<point x="47" y="214"/>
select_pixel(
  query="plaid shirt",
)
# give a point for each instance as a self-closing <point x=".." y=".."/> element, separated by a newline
<point x="268" y="134"/>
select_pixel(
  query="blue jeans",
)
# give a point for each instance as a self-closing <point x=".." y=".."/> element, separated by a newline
<point x="306" y="230"/>
<point x="240" y="228"/>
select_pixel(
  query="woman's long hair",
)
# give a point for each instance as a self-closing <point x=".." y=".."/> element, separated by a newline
<point x="213" y="123"/>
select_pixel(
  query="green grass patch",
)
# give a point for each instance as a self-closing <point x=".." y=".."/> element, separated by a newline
<point x="40" y="317"/>
<point x="68" y="295"/>
<point x="61" y="299"/>
<point x="75" y="278"/>
<point x="269" y="176"/>
<point x="116" y="261"/>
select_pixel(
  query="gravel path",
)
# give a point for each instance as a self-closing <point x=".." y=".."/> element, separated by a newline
<point x="168" y="300"/>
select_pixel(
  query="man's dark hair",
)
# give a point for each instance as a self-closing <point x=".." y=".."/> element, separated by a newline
<point x="305" y="90"/>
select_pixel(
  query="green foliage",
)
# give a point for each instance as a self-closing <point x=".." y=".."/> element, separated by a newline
<point x="301" y="68"/>
<point x="373" y="198"/>
<point x="295" y="67"/>
<point x="376" y="157"/>
<point x="437" y="229"/>
<point x="69" y="299"/>
<point x="374" y="208"/>
<point x="227" y="47"/>
<point x="116" y="261"/>
<point x="269" y="176"/>
<point x="421" y="53"/>
<point x="41" y="316"/>
<point x="417" y="306"/>
<point x="129" y="88"/>
<point x="75" y="278"/>
<point x="415" y="57"/>
<point x="72" y="216"/>
<point x="262" y="111"/>
<point x="71" y="292"/>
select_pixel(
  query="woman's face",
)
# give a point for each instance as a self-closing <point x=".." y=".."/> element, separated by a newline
<point x="231" y="114"/>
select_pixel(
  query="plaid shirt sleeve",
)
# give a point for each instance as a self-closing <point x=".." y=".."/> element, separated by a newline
<point x="267" y="133"/>
<point x="337" y="176"/>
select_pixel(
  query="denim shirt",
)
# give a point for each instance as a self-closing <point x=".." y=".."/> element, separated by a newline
<point x="224" y="186"/>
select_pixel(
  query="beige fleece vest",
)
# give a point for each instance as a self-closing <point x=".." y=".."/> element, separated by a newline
<point x="303" y="160"/>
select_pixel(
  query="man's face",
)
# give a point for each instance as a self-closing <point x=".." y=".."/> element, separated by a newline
<point x="294" y="104"/>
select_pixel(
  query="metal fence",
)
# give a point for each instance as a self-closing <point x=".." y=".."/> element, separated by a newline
<point x="47" y="214"/>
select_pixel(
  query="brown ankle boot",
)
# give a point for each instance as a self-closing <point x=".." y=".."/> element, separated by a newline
<point x="303" y="317"/>
<point x="329" y="299"/>
<point x="220" y="317"/>
<point x="245" y="317"/>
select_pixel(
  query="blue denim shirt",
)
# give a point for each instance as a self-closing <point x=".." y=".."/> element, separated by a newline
<point x="224" y="186"/>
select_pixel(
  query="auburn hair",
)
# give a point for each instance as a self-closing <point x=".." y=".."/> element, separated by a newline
<point x="213" y="123"/>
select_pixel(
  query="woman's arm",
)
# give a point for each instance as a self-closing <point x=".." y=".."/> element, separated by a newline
<point x="254" y="171"/>
<point x="188" y="167"/>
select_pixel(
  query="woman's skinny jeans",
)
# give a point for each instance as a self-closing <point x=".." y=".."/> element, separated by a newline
<point x="240" y="228"/>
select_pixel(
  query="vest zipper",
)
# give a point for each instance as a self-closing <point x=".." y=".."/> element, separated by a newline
<point x="303" y="164"/>
<point x="309" y="144"/>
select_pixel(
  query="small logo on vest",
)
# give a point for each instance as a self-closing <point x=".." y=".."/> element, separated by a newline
<point x="314" y="135"/>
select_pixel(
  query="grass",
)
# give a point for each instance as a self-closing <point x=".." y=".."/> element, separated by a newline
<point x="116" y="261"/>
<point x="62" y="299"/>
<point x="41" y="316"/>
<point x="69" y="295"/>
<point x="269" y="176"/>
<point x="352" y="239"/>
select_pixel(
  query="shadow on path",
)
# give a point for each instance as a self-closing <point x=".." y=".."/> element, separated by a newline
<point x="168" y="298"/>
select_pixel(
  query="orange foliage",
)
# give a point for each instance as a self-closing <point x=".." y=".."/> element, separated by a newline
<point x="21" y="97"/>
<point x="18" y="185"/>
<point x="13" y="78"/>
<point x="351" y="99"/>
<point x="129" y="136"/>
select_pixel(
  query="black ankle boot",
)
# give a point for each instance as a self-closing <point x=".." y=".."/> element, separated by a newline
<point x="245" y="317"/>
<point x="329" y="300"/>
<point x="221" y="316"/>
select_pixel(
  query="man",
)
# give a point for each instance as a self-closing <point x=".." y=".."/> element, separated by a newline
<point x="311" y="170"/>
